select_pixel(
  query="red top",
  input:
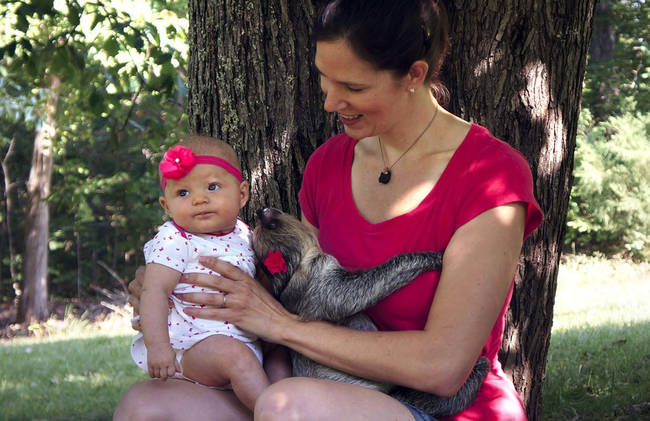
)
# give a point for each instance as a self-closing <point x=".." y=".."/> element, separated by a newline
<point x="483" y="173"/>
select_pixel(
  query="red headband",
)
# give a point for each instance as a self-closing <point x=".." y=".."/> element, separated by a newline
<point x="179" y="161"/>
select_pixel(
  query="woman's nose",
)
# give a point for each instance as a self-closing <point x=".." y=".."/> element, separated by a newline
<point x="333" y="100"/>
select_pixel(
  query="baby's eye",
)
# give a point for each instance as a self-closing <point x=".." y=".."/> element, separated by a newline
<point x="183" y="193"/>
<point x="213" y="186"/>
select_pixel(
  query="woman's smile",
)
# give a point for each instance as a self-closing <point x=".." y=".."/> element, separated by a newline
<point x="349" y="119"/>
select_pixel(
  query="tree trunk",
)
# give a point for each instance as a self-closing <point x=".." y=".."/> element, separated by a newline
<point x="33" y="302"/>
<point x="251" y="83"/>
<point x="603" y="41"/>
<point x="516" y="67"/>
<point x="521" y="76"/>
<point x="9" y="209"/>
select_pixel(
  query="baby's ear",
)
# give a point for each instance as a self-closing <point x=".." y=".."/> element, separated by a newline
<point x="163" y="203"/>
<point x="243" y="193"/>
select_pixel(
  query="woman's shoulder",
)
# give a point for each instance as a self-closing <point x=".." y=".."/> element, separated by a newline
<point x="335" y="145"/>
<point x="484" y="150"/>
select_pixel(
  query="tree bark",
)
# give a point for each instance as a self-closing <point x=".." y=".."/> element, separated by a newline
<point x="516" y="67"/>
<point x="33" y="301"/>
<point x="9" y="209"/>
<point x="251" y="83"/>
<point x="520" y="75"/>
<point x="603" y="41"/>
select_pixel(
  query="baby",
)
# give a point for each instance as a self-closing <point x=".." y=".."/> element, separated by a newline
<point x="203" y="193"/>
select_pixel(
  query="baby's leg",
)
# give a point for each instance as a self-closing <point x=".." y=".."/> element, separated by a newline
<point x="218" y="360"/>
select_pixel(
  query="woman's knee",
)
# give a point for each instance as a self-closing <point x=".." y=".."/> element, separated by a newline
<point x="288" y="399"/>
<point x="135" y="405"/>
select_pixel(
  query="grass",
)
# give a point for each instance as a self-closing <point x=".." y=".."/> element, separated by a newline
<point x="598" y="362"/>
<point x="599" y="359"/>
<point x="71" y="370"/>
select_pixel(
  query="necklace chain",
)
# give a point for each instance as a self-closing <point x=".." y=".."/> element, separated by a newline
<point x="384" y="176"/>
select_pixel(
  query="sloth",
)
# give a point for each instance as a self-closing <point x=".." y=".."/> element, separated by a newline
<point x="313" y="285"/>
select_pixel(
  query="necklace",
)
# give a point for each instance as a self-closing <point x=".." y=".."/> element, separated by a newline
<point x="384" y="176"/>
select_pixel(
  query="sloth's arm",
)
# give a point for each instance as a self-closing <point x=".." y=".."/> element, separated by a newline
<point x="335" y="293"/>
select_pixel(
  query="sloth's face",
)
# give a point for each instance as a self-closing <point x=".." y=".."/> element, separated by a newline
<point x="280" y="241"/>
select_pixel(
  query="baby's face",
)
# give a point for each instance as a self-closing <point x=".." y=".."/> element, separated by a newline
<point x="206" y="201"/>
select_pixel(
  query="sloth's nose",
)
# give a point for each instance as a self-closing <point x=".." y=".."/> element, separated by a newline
<point x="267" y="217"/>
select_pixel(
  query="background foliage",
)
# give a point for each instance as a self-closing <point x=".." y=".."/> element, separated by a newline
<point x="610" y="201"/>
<point x="122" y="65"/>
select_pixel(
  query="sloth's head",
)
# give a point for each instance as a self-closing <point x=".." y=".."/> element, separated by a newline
<point x="281" y="244"/>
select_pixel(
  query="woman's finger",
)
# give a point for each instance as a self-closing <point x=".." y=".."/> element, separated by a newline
<point x="223" y="277"/>
<point x="224" y="268"/>
<point x="135" y="303"/>
<point x="203" y="299"/>
<point x="135" y="286"/>
<point x="210" y="313"/>
<point x="214" y="282"/>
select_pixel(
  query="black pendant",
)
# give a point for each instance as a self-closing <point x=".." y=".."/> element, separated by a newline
<point x="384" y="177"/>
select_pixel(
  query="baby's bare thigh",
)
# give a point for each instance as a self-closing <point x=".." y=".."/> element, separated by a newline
<point x="216" y="359"/>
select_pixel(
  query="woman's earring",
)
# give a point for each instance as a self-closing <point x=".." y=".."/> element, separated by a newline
<point x="412" y="90"/>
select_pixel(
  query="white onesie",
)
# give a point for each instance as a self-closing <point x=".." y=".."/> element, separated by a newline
<point x="180" y="250"/>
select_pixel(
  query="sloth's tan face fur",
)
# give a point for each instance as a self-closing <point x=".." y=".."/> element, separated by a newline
<point x="278" y="231"/>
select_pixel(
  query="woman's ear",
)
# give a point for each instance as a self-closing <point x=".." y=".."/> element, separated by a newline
<point x="416" y="75"/>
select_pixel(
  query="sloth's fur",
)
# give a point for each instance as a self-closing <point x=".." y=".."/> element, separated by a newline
<point x="316" y="287"/>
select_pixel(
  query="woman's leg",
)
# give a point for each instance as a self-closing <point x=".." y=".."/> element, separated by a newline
<point x="178" y="400"/>
<point x="300" y="398"/>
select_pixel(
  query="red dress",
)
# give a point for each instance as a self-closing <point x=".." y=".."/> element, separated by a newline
<point x="483" y="173"/>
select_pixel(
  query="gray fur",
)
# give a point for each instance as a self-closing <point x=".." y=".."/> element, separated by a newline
<point x="316" y="287"/>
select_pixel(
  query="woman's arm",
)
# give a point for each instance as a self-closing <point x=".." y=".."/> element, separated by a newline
<point x="478" y="269"/>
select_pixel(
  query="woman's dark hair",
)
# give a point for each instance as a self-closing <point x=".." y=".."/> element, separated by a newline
<point x="389" y="34"/>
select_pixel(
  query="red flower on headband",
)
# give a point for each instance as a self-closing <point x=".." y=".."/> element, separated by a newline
<point x="177" y="162"/>
<point x="275" y="263"/>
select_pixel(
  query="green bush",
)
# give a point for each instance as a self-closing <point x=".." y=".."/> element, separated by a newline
<point x="609" y="210"/>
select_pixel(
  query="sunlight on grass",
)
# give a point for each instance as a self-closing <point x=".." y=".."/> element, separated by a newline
<point x="72" y="327"/>
<point x="73" y="370"/>
<point x="595" y="291"/>
<point x="600" y="343"/>
<point x="597" y="363"/>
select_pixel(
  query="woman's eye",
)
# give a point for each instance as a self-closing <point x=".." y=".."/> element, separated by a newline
<point x="351" y="89"/>
<point x="183" y="193"/>
<point x="213" y="186"/>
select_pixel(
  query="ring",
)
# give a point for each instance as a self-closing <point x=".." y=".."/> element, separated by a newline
<point x="224" y="301"/>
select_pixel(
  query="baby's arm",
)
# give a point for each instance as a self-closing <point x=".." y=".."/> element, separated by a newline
<point x="159" y="282"/>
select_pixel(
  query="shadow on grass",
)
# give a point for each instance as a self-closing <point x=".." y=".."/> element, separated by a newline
<point x="70" y="379"/>
<point x="599" y="373"/>
<point x="593" y="373"/>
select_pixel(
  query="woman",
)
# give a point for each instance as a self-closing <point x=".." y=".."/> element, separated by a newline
<point x="405" y="176"/>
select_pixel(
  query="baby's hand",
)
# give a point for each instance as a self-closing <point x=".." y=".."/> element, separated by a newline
<point x="162" y="363"/>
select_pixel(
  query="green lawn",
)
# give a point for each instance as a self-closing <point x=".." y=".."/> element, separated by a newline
<point x="599" y="359"/>
<point x="598" y="365"/>
<point x="77" y="372"/>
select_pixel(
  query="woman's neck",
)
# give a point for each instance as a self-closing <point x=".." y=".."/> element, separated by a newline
<point x="414" y="128"/>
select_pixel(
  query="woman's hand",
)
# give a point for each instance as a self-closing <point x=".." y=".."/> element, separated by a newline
<point x="135" y="290"/>
<point x="245" y="302"/>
